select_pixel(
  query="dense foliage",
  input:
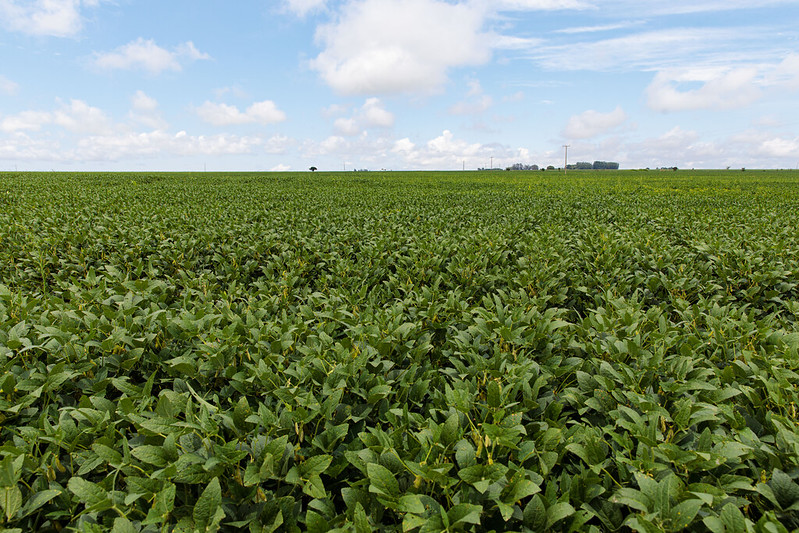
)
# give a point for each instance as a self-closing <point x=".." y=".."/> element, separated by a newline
<point x="399" y="352"/>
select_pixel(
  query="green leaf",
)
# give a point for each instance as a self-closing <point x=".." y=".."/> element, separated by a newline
<point x="449" y="430"/>
<point x="38" y="500"/>
<point x="94" y="496"/>
<point x="360" y="520"/>
<point x="314" y="487"/>
<point x="493" y="395"/>
<point x="10" y="500"/>
<point x="684" y="513"/>
<point x="520" y="488"/>
<point x="123" y="525"/>
<point x="207" y="505"/>
<point x="381" y="481"/>
<point x="163" y="504"/>
<point x="632" y="498"/>
<point x="315" y="523"/>
<point x="107" y="454"/>
<point x="465" y="453"/>
<point x="535" y="514"/>
<point x="411" y="503"/>
<point x="313" y="466"/>
<point x="153" y="455"/>
<point x="786" y="491"/>
<point x="10" y="469"/>
<point x="733" y="519"/>
<point x="465" y="513"/>
<point x="558" y="512"/>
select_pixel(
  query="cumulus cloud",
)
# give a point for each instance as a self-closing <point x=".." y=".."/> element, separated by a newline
<point x="219" y="114"/>
<point x="76" y="116"/>
<point x="395" y="46"/>
<point x="55" y="18"/>
<point x="372" y="114"/>
<point x="347" y="126"/>
<point x="779" y="147"/>
<point x="80" y="117"/>
<point x="144" y="54"/>
<point x="25" y="121"/>
<point x="447" y="151"/>
<point x="160" y="143"/>
<point x="594" y="123"/>
<point x="145" y="111"/>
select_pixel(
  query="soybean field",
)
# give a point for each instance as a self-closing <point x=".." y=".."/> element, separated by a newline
<point x="400" y="351"/>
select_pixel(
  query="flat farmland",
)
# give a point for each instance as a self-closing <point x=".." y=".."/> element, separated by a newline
<point x="506" y="351"/>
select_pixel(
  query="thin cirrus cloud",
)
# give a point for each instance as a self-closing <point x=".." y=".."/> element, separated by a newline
<point x="145" y="54"/>
<point x="53" y="18"/>
<point x="649" y="50"/>
<point x="218" y="114"/>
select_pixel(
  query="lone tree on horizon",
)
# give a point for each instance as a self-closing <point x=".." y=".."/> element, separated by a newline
<point x="312" y="169"/>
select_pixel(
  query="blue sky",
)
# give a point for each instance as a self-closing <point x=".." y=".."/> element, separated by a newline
<point x="397" y="84"/>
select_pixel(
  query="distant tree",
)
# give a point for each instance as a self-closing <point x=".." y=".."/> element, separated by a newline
<point x="605" y="165"/>
<point x="550" y="167"/>
<point x="312" y="169"/>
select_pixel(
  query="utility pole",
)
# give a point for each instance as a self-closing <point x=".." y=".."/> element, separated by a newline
<point x="492" y="163"/>
<point x="565" y="157"/>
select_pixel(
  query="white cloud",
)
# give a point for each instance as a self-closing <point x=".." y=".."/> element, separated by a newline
<point x="347" y="126"/>
<point x="218" y="114"/>
<point x="303" y="7"/>
<point x="142" y="102"/>
<point x="159" y="143"/>
<point x="720" y="89"/>
<point x="25" y="121"/>
<point x="786" y="73"/>
<point x="475" y="103"/>
<point x="55" y="18"/>
<point x="448" y="152"/>
<point x="599" y="28"/>
<point x="148" y="56"/>
<point x="779" y="147"/>
<point x="394" y="46"/>
<point x="280" y="168"/>
<point x="145" y="111"/>
<point x="593" y="123"/>
<point x="654" y="50"/>
<point x="539" y="5"/>
<point x="265" y="112"/>
<point x="80" y="117"/>
<point x="7" y="86"/>
<point x="335" y="144"/>
<point x="371" y="114"/>
<point x="77" y="116"/>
